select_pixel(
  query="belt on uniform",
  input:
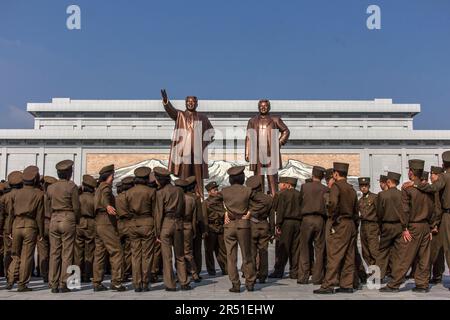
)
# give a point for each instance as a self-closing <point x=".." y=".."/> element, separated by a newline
<point x="391" y="222"/>
<point x="139" y="216"/>
<point x="172" y="215"/>
<point x="295" y="219"/>
<point x="446" y="210"/>
<point x="369" y="221"/>
<point x="313" y="214"/>
<point x="420" y="221"/>
<point x="87" y="217"/>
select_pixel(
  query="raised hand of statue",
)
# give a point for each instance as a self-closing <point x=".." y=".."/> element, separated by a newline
<point x="164" y="96"/>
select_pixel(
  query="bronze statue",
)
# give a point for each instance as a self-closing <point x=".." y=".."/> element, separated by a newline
<point x="265" y="134"/>
<point x="193" y="133"/>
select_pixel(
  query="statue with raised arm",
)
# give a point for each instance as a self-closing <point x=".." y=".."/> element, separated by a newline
<point x="192" y="134"/>
<point x="266" y="134"/>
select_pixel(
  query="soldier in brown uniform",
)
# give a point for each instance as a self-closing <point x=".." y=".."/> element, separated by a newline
<point x="26" y="227"/>
<point x="169" y="212"/>
<point x="437" y="259"/>
<point x="236" y="200"/>
<point x="65" y="214"/>
<point x="85" y="239"/>
<point x="343" y="213"/>
<point x="389" y="210"/>
<point x="370" y="230"/>
<point x="288" y="221"/>
<point x="124" y="224"/>
<point x="312" y="229"/>
<point x="141" y="203"/>
<point x="2" y="223"/>
<point x="15" y="183"/>
<point x="43" y="247"/>
<point x="416" y="220"/>
<point x="383" y="182"/>
<point x="214" y="242"/>
<point x="107" y="236"/>
<point x="156" y="268"/>
<point x="262" y="223"/>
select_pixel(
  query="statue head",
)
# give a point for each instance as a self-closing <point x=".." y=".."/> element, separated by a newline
<point x="191" y="103"/>
<point x="264" y="107"/>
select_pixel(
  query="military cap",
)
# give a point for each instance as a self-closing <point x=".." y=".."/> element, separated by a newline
<point x="142" y="172"/>
<point x="191" y="180"/>
<point x="363" y="181"/>
<point x="436" y="170"/>
<point x="181" y="183"/>
<point x="64" y="165"/>
<point x="393" y="176"/>
<point x="107" y="169"/>
<point x="340" y="166"/>
<point x="253" y="182"/>
<point x="383" y="178"/>
<point x="161" y="172"/>
<point x="49" y="180"/>
<point x="416" y="164"/>
<point x="329" y="173"/>
<point x="127" y="180"/>
<point x="15" y="177"/>
<point x="89" y="181"/>
<point x="446" y="157"/>
<point x="318" y="172"/>
<point x="235" y="171"/>
<point x="211" y="185"/>
<point x="289" y="180"/>
<point x="30" y="173"/>
<point x="425" y="175"/>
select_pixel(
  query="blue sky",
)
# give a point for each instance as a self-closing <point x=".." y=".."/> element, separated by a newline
<point x="234" y="49"/>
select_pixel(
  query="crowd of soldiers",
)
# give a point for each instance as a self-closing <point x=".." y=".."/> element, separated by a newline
<point x="152" y="220"/>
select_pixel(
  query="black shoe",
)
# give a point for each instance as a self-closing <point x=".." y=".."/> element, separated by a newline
<point x="138" y="289"/>
<point x="276" y="275"/>
<point x="345" y="290"/>
<point x="24" y="289"/>
<point x="390" y="290"/>
<point x="303" y="281"/>
<point x="119" y="288"/>
<point x="65" y="290"/>
<point x="235" y="289"/>
<point x="45" y="279"/>
<point x="100" y="288"/>
<point x="421" y="290"/>
<point x="212" y="273"/>
<point x="186" y="287"/>
<point x="146" y="289"/>
<point x="153" y="278"/>
<point x="250" y="288"/>
<point x="435" y="280"/>
<point x="358" y="287"/>
<point x="171" y="289"/>
<point x="324" y="291"/>
<point x="262" y="280"/>
<point x="55" y="290"/>
<point x="9" y="286"/>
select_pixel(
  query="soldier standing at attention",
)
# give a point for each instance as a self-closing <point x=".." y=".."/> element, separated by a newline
<point x="370" y="230"/>
<point x="141" y="202"/>
<point x="312" y="229"/>
<point x="236" y="201"/>
<point x="65" y="208"/>
<point x="343" y="212"/>
<point x="262" y="227"/>
<point x="124" y="223"/>
<point x="156" y="267"/>
<point x="85" y="240"/>
<point x="288" y="221"/>
<point x="26" y="228"/>
<point x="389" y="210"/>
<point x="170" y="209"/>
<point x="107" y="236"/>
<point x="214" y="242"/>
<point x="416" y="220"/>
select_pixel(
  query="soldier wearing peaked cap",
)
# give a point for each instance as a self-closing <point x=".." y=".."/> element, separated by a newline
<point x="124" y="221"/>
<point x="312" y="229"/>
<point x="214" y="242"/>
<point x="236" y="201"/>
<point x="170" y="209"/>
<point x="15" y="183"/>
<point x="26" y="227"/>
<point x="369" y="231"/>
<point x="43" y="247"/>
<point x="65" y="214"/>
<point x="85" y="239"/>
<point x="417" y="221"/>
<point x="343" y="213"/>
<point x="262" y="222"/>
<point x="107" y="236"/>
<point x="156" y="267"/>
<point x="288" y="221"/>
<point x="141" y="203"/>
